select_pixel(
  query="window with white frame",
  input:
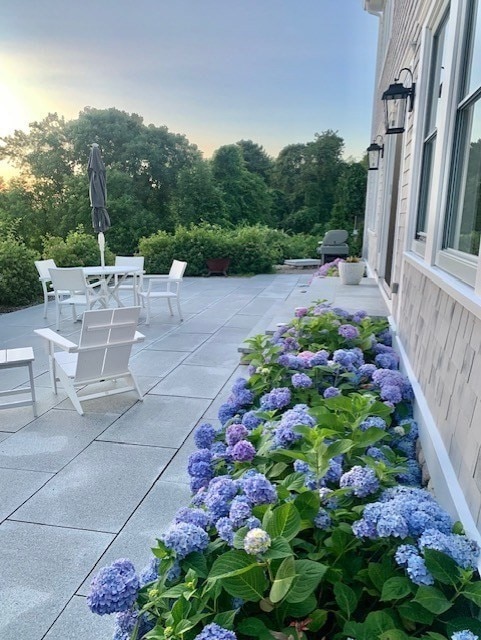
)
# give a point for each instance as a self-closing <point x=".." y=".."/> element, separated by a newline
<point x="462" y="231"/>
<point x="435" y="88"/>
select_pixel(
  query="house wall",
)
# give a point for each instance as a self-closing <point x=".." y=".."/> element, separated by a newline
<point x="436" y="315"/>
<point x="442" y="340"/>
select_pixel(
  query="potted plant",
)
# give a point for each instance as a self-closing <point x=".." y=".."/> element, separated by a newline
<point x="351" y="270"/>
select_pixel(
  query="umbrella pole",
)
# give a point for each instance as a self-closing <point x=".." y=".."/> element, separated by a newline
<point x="101" y="240"/>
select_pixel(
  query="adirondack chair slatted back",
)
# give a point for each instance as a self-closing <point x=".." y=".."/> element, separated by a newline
<point x="43" y="267"/>
<point x="105" y="343"/>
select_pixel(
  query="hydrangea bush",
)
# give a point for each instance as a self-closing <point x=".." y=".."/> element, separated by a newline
<point x="307" y="518"/>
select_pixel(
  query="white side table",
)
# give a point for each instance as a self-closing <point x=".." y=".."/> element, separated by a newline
<point x="10" y="358"/>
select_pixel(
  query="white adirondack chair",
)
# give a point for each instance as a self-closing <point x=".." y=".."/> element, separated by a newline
<point x="172" y="281"/>
<point x="101" y="356"/>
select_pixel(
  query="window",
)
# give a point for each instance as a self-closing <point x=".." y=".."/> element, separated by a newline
<point x="463" y="221"/>
<point x="430" y="131"/>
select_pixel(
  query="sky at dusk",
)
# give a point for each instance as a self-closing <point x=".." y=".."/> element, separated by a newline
<point x="273" y="71"/>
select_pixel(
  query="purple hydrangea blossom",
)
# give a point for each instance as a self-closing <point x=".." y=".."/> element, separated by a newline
<point x="258" y="489"/>
<point x="301" y="381"/>
<point x="256" y="542"/>
<point x="359" y="316"/>
<point x="290" y="361"/>
<point x="320" y="358"/>
<point x="276" y="399"/>
<point x="234" y="433"/>
<point x="391" y="393"/>
<point x="243" y="451"/>
<point x="348" y="331"/>
<point x="389" y="378"/>
<point x="300" y="312"/>
<point x="184" y="538"/>
<point x="204" y="436"/>
<point x="361" y="480"/>
<point x="213" y="631"/>
<point x="386" y="361"/>
<point x="331" y="392"/>
<point x="114" y="588"/>
<point x="366" y="370"/>
<point x="284" y="435"/>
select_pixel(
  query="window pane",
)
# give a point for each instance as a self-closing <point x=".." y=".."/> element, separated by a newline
<point x="426" y="178"/>
<point x="466" y="227"/>
<point x="435" y="80"/>
<point x="474" y="80"/>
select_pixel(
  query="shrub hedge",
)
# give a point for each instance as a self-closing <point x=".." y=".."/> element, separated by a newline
<point x="19" y="283"/>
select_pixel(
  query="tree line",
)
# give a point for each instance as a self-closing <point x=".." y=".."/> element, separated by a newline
<point x="157" y="180"/>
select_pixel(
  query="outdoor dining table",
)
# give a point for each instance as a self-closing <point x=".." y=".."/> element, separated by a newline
<point x="111" y="279"/>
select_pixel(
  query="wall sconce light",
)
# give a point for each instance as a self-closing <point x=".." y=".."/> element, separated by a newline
<point x="397" y="99"/>
<point x="374" y="154"/>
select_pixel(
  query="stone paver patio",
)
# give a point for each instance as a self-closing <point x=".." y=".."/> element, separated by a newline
<point x="77" y="492"/>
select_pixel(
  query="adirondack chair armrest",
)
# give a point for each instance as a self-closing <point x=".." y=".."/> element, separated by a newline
<point x="59" y="341"/>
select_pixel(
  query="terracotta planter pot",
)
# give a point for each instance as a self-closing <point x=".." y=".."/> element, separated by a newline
<point x="218" y="265"/>
<point x="351" y="272"/>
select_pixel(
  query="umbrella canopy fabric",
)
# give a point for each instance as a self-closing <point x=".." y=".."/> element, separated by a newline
<point x="98" y="190"/>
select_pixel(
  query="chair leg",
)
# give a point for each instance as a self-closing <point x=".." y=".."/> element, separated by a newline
<point x="147" y="304"/>
<point x="170" y="306"/>
<point x="178" y="307"/>
<point x="57" y="315"/>
<point x="45" y="304"/>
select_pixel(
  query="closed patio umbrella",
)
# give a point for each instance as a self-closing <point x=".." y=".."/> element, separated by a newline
<point x="98" y="197"/>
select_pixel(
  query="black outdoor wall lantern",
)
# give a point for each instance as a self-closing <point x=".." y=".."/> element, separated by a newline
<point x="397" y="99"/>
<point x="374" y="154"/>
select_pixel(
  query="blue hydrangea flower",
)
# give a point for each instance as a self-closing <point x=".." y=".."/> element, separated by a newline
<point x="412" y="475"/>
<point x="359" y="316"/>
<point x="276" y="399"/>
<point x="149" y="573"/>
<point x="220" y="492"/>
<point x="462" y="550"/>
<point x="391" y="393"/>
<point x="361" y="480"/>
<point x="418" y="572"/>
<point x="348" y="331"/>
<point x="184" y="538"/>
<point x="387" y="361"/>
<point x="225" y="529"/>
<point x="125" y="623"/>
<point x="253" y="523"/>
<point x="250" y="420"/>
<point x="213" y="631"/>
<point x="235" y="433"/>
<point x="258" y="489"/>
<point x="464" y="635"/>
<point x="289" y="360"/>
<point x="331" y="392"/>
<point x="114" y="588"/>
<point x="199" y="467"/>
<point x="243" y="451"/>
<point x="335" y="470"/>
<point x="256" y="542"/>
<point x="226" y="412"/>
<point x="240" y="510"/>
<point x="320" y="358"/>
<point x="284" y="435"/>
<point x="193" y="516"/>
<point x="373" y="421"/>
<point x="204" y="436"/>
<point x="322" y="519"/>
<point x="301" y="381"/>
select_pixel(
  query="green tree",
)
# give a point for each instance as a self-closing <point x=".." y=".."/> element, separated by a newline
<point x="246" y="196"/>
<point x="348" y="210"/>
<point x="256" y="159"/>
<point x="197" y="197"/>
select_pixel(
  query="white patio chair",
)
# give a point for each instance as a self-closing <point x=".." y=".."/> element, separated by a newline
<point x="134" y="282"/>
<point x="43" y="267"/>
<point x="71" y="288"/>
<point x="172" y="281"/>
<point x="101" y="356"/>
